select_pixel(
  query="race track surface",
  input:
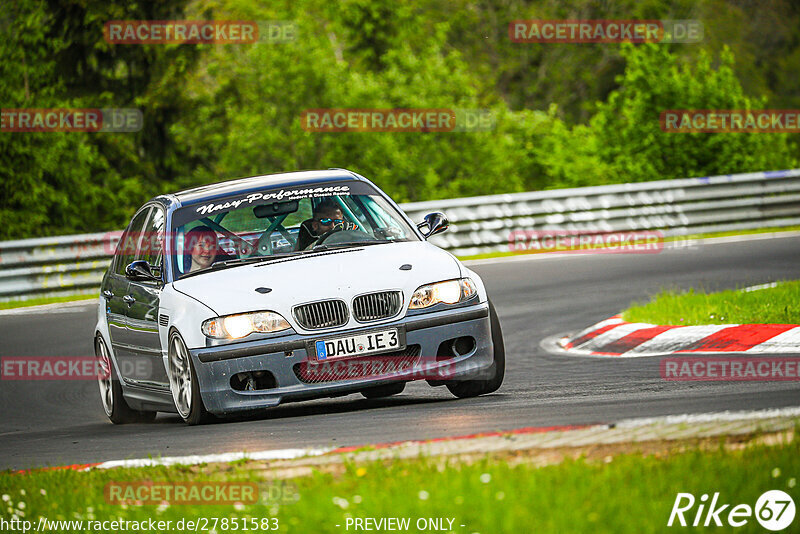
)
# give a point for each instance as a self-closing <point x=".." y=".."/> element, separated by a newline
<point x="62" y="422"/>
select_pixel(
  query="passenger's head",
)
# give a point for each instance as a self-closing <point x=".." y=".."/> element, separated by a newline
<point x="201" y="248"/>
<point x="326" y="214"/>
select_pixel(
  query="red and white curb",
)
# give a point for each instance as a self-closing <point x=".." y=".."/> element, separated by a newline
<point x="615" y="337"/>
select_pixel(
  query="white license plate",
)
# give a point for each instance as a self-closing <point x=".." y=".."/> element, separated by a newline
<point x="358" y="345"/>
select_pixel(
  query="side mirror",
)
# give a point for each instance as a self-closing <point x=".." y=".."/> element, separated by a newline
<point x="140" y="270"/>
<point x="435" y="222"/>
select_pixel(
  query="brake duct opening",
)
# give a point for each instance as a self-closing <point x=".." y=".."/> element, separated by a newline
<point x="253" y="381"/>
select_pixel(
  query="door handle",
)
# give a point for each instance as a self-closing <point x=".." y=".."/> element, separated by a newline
<point x="129" y="300"/>
<point x="108" y="294"/>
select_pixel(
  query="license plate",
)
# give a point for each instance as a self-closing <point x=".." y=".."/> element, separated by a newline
<point x="358" y="345"/>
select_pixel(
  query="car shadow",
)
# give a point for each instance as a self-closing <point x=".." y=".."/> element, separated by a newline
<point x="317" y="407"/>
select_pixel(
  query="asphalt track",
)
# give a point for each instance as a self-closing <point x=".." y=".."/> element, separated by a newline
<point x="62" y="422"/>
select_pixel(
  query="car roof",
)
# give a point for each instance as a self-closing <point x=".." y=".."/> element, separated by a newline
<point x="256" y="183"/>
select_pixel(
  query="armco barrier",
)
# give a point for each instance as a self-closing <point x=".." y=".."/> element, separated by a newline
<point x="75" y="264"/>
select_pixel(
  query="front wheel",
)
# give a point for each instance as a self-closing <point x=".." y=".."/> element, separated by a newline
<point x="183" y="383"/>
<point x="114" y="404"/>
<point x="473" y="388"/>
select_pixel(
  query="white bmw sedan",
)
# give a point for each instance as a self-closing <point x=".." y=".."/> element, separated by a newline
<point x="242" y="295"/>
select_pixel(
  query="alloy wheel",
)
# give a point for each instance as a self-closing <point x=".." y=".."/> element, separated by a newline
<point x="180" y="376"/>
<point x="104" y="378"/>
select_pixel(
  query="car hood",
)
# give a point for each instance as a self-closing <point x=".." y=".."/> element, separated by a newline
<point x="340" y="274"/>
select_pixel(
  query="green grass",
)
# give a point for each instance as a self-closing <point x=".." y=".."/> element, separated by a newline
<point x="627" y="493"/>
<point x="778" y="305"/>
<point x="488" y="255"/>
<point x="37" y="301"/>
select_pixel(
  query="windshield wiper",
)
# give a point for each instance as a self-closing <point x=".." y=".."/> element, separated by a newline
<point x="348" y="244"/>
<point x="239" y="261"/>
<point x="249" y="259"/>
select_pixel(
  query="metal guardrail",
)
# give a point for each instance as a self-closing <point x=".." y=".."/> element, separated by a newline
<point x="75" y="264"/>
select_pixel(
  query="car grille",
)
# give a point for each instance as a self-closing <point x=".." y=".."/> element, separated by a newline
<point x="358" y="368"/>
<point x="322" y="314"/>
<point x="374" y="306"/>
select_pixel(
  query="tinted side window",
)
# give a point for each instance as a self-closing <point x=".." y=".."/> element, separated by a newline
<point x="151" y="245"/>
<point x="130" y="241"/>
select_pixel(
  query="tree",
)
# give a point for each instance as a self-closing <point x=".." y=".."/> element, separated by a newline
<point x="624" y="142"/>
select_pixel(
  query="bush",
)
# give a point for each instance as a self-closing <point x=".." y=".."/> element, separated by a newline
<point x="623" y="141"/>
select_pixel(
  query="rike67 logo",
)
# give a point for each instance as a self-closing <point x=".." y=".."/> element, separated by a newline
<point x="774" y="510"/>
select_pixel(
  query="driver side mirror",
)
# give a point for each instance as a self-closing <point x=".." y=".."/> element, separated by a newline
<point x="435" y="222"/>
<point x="141" y="270"/>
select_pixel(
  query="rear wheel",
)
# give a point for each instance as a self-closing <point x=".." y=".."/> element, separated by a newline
<point x="388" y="390"/>
<point x="473" y="388"/>
<point x="183" y="383"/>
<point x="114" y="404"/>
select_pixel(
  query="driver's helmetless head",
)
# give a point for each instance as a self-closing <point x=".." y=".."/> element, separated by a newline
<point x="326" y="214"/>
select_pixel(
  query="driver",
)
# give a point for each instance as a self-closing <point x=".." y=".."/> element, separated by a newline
<point x="326" y="216"/>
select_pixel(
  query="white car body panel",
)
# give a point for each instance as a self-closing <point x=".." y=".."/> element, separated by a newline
<point x="336" y="274"/>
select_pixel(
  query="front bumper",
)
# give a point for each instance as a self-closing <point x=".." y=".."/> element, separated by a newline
<point x="215" y="366"/>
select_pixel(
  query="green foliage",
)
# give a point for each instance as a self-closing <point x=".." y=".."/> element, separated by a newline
<point x="47" y="180"/>
<point x="249" y="118"/>
<point x="55" y="57"/>
<point x="566" y="115"/>
<point x="623" y="141"/>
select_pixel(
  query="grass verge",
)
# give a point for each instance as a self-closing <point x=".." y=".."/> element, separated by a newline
<point x="777" y="305"/>
<point x="629" y="492"/>
<point x="38" y="301"/>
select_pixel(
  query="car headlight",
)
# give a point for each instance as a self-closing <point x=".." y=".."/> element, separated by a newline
<point x="243" y="324"/>
<point x="449" y="292"/>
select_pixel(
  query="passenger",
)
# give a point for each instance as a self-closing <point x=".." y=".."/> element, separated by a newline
<point x="203" y="249"/>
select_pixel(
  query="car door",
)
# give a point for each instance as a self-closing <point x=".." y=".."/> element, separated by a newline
<point x="142" y="336"/>
<point x="116" y="292"/>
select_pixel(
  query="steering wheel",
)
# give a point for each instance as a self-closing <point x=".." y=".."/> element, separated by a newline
<point x="351" y="228"/>
<point x="321" y="239"/>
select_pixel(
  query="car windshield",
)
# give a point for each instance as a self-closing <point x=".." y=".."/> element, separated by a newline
<point x="279" y="222"/>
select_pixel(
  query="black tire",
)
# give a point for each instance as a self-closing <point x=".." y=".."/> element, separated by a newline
<point x="388" y="390"/>
<point x="190" y="406"/>
<point x="111" y="397"/>
<point x="473" y="388"/>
